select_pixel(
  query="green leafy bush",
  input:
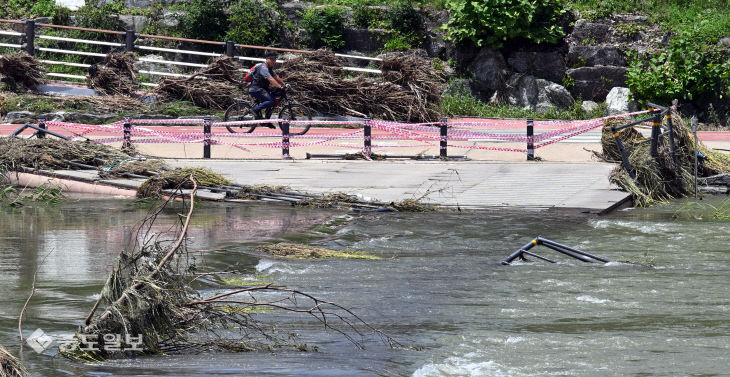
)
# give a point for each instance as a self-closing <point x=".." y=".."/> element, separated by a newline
<point x="398" y="41"/>
<point x="687" y="70"/>
<point x="205" y="19"/>
<point x="404" y="18"/>
<point x="492" y="22"/>
<point x="254" y="22"/>
<point x="19" y="9"/>
<point x="365" y="17"/>
<point x="325" y="26"/>
<point x="94" y="16"/>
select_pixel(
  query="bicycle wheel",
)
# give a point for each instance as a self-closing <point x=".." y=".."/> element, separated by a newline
<point x="296" y="112"/>
<point x="239" y="111"/>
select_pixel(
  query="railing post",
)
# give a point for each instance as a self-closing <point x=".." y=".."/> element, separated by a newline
<point x="130" y="36"/>
<point x="29" y="36"/>
<point x="670" y="126"/>
<point x="127" y="143"/>
<point x="530" y="140"/>
<point x="41" y="125"/>
<point x="230" y="48"/>
<point x="655" y="131"/>
<point x="285" y="139"/>
<point x="367" y="138"/>
<point x="444" y="138"/>
<point x="622" y="150"/>
<point x="206" y="137"/>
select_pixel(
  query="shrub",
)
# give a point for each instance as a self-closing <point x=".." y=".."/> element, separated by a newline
<point x="398" y="41"/>
<point x="687" y="70"/>
<point x="325" y="26"/>
<point x="205" y="19"/>
<point x="254" y="22"/>
<point x="94" y="16"/>
<point x="363" y="16"/>
<point x="404" y="18"/>
<point x="492" y="22"/>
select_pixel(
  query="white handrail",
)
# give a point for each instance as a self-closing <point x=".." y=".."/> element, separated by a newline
<point x="359" y="57"/>
<point x="366" y="70"/>
<point x="163" y="73"/>
<point x="177" y="51"/>
<point x="66" y="63"/>
<point x="70" y="52"/>
<point x="10" y="45"/>
<point x="80" y="41"/>
<point x="65" y="75"/>
<point x="149" y="84"/>
<point x="13" y="33"/>
<point x="172" y="62"/>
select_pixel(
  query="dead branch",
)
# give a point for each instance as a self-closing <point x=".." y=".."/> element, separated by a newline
<point x="32" y="292"/>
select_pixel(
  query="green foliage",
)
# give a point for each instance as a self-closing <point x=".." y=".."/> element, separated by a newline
<point x="628" y="30"/>
<point x="94" y="16"/>
<point x="254" y="22"/>
<point x="182" y="108"/>
<point x="365" y="17"/>
<point x="205" y="19"/>
<point x="20" y="9"/>
<point x="325" y="26"/>
<point x="493" y="22"/>
<point x="464" y="104"/>
<point x="404" y="19"/>
<point x="402" y="41"/>
<point x="568" y="82"/>
<point x="687" y="70"/>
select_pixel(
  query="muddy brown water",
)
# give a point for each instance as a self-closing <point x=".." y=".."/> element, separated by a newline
<point x="439" y="288"/>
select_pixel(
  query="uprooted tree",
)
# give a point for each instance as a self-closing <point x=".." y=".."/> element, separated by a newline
<point x="151" y="292"/>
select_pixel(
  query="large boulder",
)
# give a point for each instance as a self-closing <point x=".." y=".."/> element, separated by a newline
<point x="548" y="65"/>
<point x="490" y="70"/>
<point x="585" y="32"/>
<point x="618" y="101"/>
<point x="15" y="115"/>
<point x="531" y="93"/>
<point x="136" y="23"/>
<point x="459" y="87"/>
<point x="589" y="106"/>
<point x="593" y="83"/>
<point x="589" y="56"/>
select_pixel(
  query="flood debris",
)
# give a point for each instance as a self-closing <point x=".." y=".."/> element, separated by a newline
<point x="301" y="251"/>
<point x="115" y="75"/>
<point x="362" y="156"/>
<point x="659" y="179"/>
<point x="150" y="297"/>
<point x="52" y="153"/>
<point x="255" y="192"/>
<point x="21" y="70"/>
<point x="408" y="90"/>
<point x="154" y="186"/>
<point x="10" y="366"/>
<point x="211" y="87"/>
<point x="412" y="205"/>
<point x="134" y="166"/>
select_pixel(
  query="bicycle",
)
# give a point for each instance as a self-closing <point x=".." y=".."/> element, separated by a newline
<point x="242" y="110"/>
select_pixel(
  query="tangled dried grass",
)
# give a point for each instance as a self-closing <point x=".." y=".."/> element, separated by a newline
<point x="135" y="166"/>
<point x="115" y="75"/>
<point x="51" y="153"/>
<point x="253" y="192"/>
<point x="628" y="136"/>
<point x="299" y="251"/>
<point x="178" y="177"/>
<point x="21" y="68"/>
<point x="10" y="366"/>
<point x="661" y="179"/>
<point x="408" y="91"/>
<point x="150" y="293"/>
<point x="210" y="87"/>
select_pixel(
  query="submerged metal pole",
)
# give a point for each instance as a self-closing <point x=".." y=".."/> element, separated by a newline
<point x="519" y="251"/>
<point x="697" y="151"/>
<point x="285" y="139"/>
<point x="547" y="242"/>
<point x="444" y="138"/>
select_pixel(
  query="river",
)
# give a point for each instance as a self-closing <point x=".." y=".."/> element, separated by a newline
<point x="439" y="289"/>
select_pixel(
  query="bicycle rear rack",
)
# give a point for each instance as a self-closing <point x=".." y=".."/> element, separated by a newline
<point x="563" y="249"/>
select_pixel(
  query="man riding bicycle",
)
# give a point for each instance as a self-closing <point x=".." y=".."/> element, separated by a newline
<point x="263" y="75"/>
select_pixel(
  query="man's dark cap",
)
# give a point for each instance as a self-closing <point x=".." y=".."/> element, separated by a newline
<point x="271" y="54"/>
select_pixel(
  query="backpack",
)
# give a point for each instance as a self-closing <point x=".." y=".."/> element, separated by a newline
<point x="249" y="74"/>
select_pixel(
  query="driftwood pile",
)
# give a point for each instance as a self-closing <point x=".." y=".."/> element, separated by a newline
<point x="10" y="366"/>
<point x="409" y="89"/>
<point x="48" y="153"/>
<point x="211" y="87"/>
<point x="21" y="69"/>
<point x="115" y="75"/>
<point x="659" y="179"/>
